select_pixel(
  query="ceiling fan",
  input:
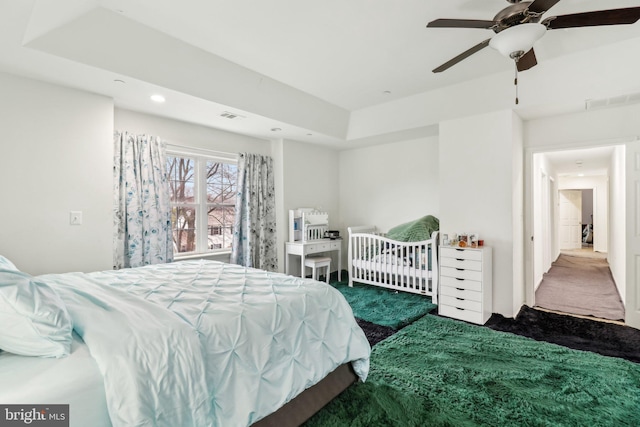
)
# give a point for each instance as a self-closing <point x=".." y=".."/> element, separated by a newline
<point x="518" y="27"/>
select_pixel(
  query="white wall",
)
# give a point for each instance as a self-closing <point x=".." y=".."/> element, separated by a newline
<point x="187" y="134"/>
<point x="517" y="210"/>
<point x="617" y="219"/>
<point x="311" y="180"/>
<point x="478" y="193"/>
<point x="544" y="243"/>
<point x="390" y="184"/>
<point x="56" y="156"/>
<point x="584" y="129"/>
<point x="632" y="236"/>
<point x="600" y="185"/>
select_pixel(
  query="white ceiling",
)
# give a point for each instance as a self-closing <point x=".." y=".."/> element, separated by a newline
<point x="333" y="57"/>
<point x="349" y="52"/>
<point x="590" y="161"/>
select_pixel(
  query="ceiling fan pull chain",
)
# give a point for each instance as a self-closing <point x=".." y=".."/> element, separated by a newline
<point x="515" y="82"/>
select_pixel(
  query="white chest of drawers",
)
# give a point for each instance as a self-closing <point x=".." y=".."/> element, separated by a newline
<point x="465" y="284"/>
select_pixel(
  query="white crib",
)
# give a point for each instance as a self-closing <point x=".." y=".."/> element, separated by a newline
<point x="403" y="266"/>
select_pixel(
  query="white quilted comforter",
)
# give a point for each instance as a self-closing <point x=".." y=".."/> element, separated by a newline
<point x="203" y="343"/>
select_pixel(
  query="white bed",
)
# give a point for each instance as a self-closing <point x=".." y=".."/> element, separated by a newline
<point x="74" y="380"/>
<point x="223" y="345"/>
<point x="403" y="266"/>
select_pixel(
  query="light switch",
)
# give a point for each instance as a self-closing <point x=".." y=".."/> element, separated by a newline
<point x="75" y="218"/>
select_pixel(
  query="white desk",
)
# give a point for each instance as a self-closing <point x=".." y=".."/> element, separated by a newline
<point x="302" y="249"/>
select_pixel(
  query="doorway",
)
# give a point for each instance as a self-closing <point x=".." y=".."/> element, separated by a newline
<point x="570" y="216"/>
<point x="570" y="219"/>
<point x="576" y="220"/>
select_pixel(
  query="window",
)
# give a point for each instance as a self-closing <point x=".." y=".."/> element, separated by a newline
<point x="203" y="195"/>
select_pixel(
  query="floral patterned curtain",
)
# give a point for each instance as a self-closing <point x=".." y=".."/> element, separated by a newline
<point x="142" y="210"/>
<point x="254" y="231"/>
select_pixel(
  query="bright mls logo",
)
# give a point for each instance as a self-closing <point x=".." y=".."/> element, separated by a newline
<point x="34" y="415"/>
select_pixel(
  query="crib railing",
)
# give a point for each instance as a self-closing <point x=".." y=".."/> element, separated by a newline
<point x="406" y="266"/>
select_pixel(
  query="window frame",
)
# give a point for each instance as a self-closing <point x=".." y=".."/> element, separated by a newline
<point x="201" y="204"/>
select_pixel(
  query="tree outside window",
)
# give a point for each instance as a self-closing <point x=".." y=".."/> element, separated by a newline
<point x="203" y="192"/>
<point x="221" y="203"/>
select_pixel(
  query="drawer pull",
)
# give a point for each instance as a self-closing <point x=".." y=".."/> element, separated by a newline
<point x="460" y="289"/>
<point x="461" y="309"/>
<point x="461" y="250"/>
<point x="459" y="259"/>
<point x="460" y="299"/>
<point x="457" y="278"/>
<point x="459" y="269"/>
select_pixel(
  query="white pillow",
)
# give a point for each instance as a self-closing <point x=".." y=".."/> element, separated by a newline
<point x="34" y="320"/>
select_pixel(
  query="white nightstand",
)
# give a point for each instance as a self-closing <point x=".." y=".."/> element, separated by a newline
<point x="465" y="283"/>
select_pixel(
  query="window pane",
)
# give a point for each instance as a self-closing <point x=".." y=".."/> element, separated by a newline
<point x="181" y="179"/>
<point x="193" y="177"/>
<point x="221" y="182"/>
<point x="183" y="223"/>
<point x="220" y="226"/>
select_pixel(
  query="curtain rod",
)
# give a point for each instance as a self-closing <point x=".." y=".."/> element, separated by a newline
<point x="220" y="154"/>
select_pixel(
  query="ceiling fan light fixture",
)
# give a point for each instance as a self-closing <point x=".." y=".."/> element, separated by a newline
<point x="517" y="40"/>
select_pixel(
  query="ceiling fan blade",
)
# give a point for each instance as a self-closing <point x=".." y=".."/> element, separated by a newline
<point x="462" y="56"/>
<point x="591" y="19"/>
<point x="541" y="6"/>
<point x="528" y="60"/>
<point x="460" y="23"/>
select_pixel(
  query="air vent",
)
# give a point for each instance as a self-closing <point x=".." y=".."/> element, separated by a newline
<point x="616" y="101"/>
<point x="231" y="116"/>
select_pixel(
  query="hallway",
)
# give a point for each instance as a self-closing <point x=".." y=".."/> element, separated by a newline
<point x="580" y="282"/>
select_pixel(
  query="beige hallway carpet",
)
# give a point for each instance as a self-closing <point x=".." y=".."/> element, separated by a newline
<point x="580" y="285"/>
<point x="586" y="252"/>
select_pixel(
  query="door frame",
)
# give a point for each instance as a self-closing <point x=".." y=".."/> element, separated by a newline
<point x="632" y="255"/>
<point x="528" y="238"/>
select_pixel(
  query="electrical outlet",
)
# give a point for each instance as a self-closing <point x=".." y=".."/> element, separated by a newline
<point x="75" y="217"/>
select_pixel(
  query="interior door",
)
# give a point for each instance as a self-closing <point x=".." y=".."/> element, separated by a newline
<point x="632" y="300"/>
<point x="570" y="219"/>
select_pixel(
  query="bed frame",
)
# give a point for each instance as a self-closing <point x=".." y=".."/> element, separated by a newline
<point x="403" y="266"/>
<point x="306" y="404"/>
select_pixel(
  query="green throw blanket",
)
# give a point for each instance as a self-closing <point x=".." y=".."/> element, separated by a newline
<point x="415" y="231"/>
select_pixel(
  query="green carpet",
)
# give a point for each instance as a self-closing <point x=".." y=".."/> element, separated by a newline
<point x="384" y="306"/>
<point x="442" y="372"/>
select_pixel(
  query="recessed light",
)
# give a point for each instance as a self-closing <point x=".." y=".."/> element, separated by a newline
<point x="157" y="98"/>
<point x="580" y="174"/>
<point x="275" y="129"/>
<point x="119" y="81"/>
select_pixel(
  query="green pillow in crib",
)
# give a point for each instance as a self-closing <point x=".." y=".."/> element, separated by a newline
<point x="415" y="231"/>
